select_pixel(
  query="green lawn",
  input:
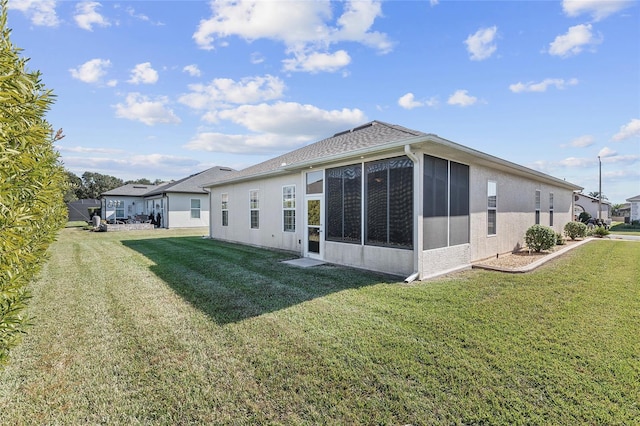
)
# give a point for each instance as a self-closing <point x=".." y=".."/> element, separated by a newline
<point x="164" y="327"/>
<point x="624" y="228"/>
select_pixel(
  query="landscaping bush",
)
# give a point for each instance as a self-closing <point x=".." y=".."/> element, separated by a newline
<point x="32" y="185"/>
<point x="575" y="230"/>
<point x="540" y="238"/>
<point x="560" y="239"/>
<point x="584" y="217"/>
<point x="600" y="231"/>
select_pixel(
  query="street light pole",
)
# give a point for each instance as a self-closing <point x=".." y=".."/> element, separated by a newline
<point x="599" y="188"/>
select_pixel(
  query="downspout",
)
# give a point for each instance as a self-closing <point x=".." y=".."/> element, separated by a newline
<point x="417" y="253"/>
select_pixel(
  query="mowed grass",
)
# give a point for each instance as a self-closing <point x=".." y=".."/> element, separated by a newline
<point x="165" y="327"/>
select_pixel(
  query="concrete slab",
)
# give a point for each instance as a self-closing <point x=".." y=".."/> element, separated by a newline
<point x="304" y="262"/>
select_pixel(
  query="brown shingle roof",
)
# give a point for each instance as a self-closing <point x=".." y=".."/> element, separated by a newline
<point x="366" y="136"/>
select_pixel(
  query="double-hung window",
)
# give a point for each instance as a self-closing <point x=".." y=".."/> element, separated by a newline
<point x="224" y="201"/>
<point x="289" y="208"/>
<point x="254" y="207"/>
<point x="551" y="209"/>
<point x="195" y="208"/>
<point x="537" y="207"/>
<point x="492" y="208"/>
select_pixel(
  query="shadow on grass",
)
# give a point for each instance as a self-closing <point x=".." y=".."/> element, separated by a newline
<point x="232" y="282"/>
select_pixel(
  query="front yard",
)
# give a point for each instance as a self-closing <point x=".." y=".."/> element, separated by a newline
<point x="164" y="327"/>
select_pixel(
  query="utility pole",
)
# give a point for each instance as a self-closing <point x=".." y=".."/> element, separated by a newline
<point x="599" y="188"/>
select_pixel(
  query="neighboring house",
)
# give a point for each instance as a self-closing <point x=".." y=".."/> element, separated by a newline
<point x="589" y="204"/>
<point x="635" y="208"/>
<point x="386" y="198"/>
<point x="82" y="209"/>
<point x="179" y="204"/>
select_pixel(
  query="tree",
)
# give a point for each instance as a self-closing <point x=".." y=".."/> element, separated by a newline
<point x="75" y="187"/>
<point x="95" y="184"/>
<point x="32" y="185"/>
<point x="596" y="194"/>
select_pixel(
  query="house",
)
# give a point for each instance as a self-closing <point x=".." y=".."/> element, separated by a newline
<point x="589" y="204"/>
<point x="178" y="204"/>
<point x="635" y="208"/>
<point x="390" y="199"/>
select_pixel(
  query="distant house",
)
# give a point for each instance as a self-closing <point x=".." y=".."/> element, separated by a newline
<point x="635" y="208"/>
<point x="386" y="198"/>
<point x="589" y="204"/>
<point x="178" y="204"/>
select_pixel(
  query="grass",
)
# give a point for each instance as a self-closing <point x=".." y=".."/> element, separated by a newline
<point x="164" y="327"/>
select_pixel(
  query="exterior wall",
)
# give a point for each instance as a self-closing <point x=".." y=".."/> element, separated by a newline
<point x="179" y="211"/>
<point x="446" y="259"/>
<point x="515" y="210"/>
<point x="590" y="206"/>
<point x="635" y="210"/>
<point x="270" y="232"/>
<point x="132" y="206"/>
<point x="380" y="259"/>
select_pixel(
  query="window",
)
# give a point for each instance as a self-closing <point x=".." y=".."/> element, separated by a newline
<point x="344" y="206"/>
<point x="537" y="207"/>
<point x="389" y="203"/>
<point x="315" y="182"/>
<point x="289" y="208"/>
<point x="254" y="206"/>
<point x="195" y="208"/>
<point x="492" y="208"/>
<point x="224" y="201"/>
<point x="551" y="209"/>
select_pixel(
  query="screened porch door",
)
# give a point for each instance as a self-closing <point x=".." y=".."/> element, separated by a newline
<point x="314" y="240"/>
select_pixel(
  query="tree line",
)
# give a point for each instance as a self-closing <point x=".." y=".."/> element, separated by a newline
<point x="91" y="185"/>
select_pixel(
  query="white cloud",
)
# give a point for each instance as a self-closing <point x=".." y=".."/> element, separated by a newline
<point x="275" y="128"/>
<point x="315" y="62"/>
<point x="141" y="108"/>
<point x="462" y="98"/>
<point x="87" y="16"/>
<point x="434" y="2"/>
<point x="574" y="41"/>
<point x="606" y="152"/>
<point x="304" y="27"/>
<point x="582" y="141"/>
<point x="40" y="12"/>
<point x="408" y="101"/>
<point x="257" y="58"/>
<point x="481" y="44"/>
<point x="224" y="91"/>
<point x="151" y="166"/>
<point x="577" y="162"/>
<point x="82" y="149"/>
<point x="629" y="130"/>
<point x="598" y="9"/>
<point x="291" y="118"/>
<point x="542" y="86"/>
<point x="91" y="71"/>
<point x="143" y="73"/>
<point x="192" y="70"/>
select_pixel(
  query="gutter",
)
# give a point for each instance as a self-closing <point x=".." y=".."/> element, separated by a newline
<point x="417" y="253"/>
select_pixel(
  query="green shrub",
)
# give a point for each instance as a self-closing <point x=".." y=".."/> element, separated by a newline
<point x="584" y="217"/>
<point x="32" y="184"/>
<point x="560" y="241"/>
<point x="540" y="238"/>
<point x="575" y="230"/>
<point x="600" y="231"/>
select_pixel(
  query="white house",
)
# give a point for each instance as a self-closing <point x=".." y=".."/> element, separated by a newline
<point x="386" y="198"/>
<point x="589" y="204"/>
<point x="179" y="204"/>
<point x="635" y="208"/>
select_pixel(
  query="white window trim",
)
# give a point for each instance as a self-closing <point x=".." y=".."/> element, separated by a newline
<point x="253" y="208"/>
<point x="492" y="208"/>
<point x="291" y="208"/>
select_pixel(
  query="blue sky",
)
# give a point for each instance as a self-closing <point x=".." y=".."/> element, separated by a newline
<point x="164" y="89"/>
